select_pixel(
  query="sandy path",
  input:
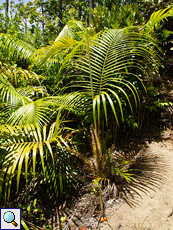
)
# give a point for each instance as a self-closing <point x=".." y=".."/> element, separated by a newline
<point x="155" y="210"/>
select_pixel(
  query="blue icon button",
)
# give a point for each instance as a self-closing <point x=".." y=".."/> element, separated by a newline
<point x="10" y="218"/>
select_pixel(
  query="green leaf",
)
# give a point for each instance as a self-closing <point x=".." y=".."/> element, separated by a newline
<point x="35" y="202"/>
<point x="25" y="143"/>
<point x="24" y="225"/>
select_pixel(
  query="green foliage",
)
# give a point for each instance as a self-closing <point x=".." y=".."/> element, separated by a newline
<point x="103" y="165"/>
<point x="27" y="211"/>
<point x="25" y="226"/>
<point x="157" y="17"/>
<point x="24" y="144"/>
<point x="91" y="75"/>
<point x="15" y="47"/>
<point x="155" y="104"/>
<point x="20" y="77"/>
<point x="114" y="69"/>
<point x="118" y="17"/>
<point x="32" y="212"/>
<point x="119" y="169"/>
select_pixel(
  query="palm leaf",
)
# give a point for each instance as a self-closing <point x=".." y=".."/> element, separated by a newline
<point x="66" y="40"/>
<point x="15" y="97"/>
<point x="112" y="60"/>
<point x="15" y="75"/>
<point x="157" y="17"/>
<point x="9" y="94"/>
<point x="33" y="91"/>
<point x="16" y="47"/>
<point x="41" y="110"/>
<point x="25" y="143"/>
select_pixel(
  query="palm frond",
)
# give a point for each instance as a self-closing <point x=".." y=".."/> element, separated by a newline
<point x="113" y="59"/>
<point x="49" y="55"/>
<point x="67" y="39"/>
<point x="15" y="46"/>
<point x="9" y="94"/>
<point x="33" y="91"/>
<point x="41" y="110"/>
<point x="31" y="113"/>
<point x="26" y="143"/>
<point x="70" y="30"/>
<point x="157" y="17"/>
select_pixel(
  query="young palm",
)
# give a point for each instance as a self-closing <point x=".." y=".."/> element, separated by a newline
<point x="21" y="146"/>
<point x="107" y="62"/>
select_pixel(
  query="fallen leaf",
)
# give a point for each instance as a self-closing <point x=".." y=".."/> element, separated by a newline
<point x="96" y="212"/>
<point x="102" y="219"/>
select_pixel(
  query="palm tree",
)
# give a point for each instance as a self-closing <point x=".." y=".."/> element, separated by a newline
<point x="24" y="137"/>
<point x="25" y="143"/>
<point x="104" y="65"/>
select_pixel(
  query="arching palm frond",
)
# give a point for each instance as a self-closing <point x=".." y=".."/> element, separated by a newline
<point x="66" y="40"/>
<point x="71" y="29"/>
<point x="20" y="98"/>
<point x="9" y="94"/>
<point x="114" y="59"/>
<point x="31" y="113"/>
<point x="23" y="144"/>
<point x="15" y="46"/>
<point x="49" y="55"/>
<point x="43" y="110"/>
<point x="157" y="17"/>
<point x="33" y="91"/>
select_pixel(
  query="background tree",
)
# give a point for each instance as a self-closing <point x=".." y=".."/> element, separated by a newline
<point x="6" y="7"/>
<point x="91" y="8"/>
<point x="60" y="13"/>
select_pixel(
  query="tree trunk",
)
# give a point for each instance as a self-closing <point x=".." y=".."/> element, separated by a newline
<point x="6" y="8"/>
<point x="60" y="13"/>
<point x="25" y="23"/>
<point x="91" y="7"/>
<point x="79" y="10"/>
<point x="42" y="11"/>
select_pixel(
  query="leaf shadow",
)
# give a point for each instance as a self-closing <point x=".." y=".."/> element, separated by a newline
<point x="148" y="174"/>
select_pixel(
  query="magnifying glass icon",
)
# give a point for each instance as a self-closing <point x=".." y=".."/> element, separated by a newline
<point x="9" y="217"/>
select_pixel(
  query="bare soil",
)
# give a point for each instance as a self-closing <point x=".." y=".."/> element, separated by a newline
<point x="146" y="203"/>
<point x="153" y="210"/>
